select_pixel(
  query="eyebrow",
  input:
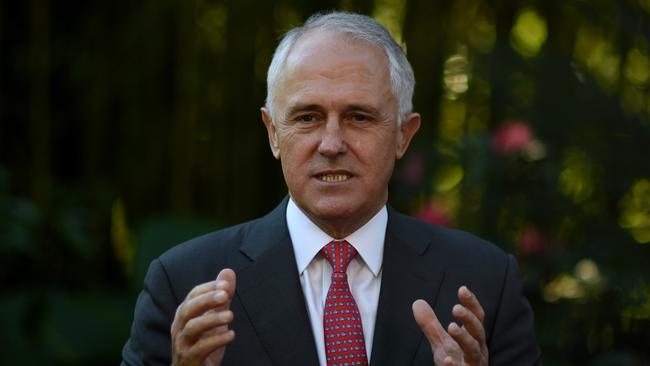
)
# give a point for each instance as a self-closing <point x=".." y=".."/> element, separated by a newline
<point x="362" y="108"/>
<point x="303" y="108"/>
<point x="319" y="108"/>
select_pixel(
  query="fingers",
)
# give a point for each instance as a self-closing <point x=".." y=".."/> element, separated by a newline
<point x="207" y="345"/>
<point x="470" y="313"/>
<point x="199" y="304"/>
<point x="428" y="322"/>
<point x="196" y="327"/>
<point x="205" y="297"/>
<point x="445" y="349"/>
<point x="469" y="300"/>
<point x="470" y="347"/>
<point x="204" y="336"/>
<point x="180" y="319"/>
<point x="200" y="326"/>
<point x="201" y="289"/>
<point x="471" y="336"/>
<point x="458" y="344"/>
<point x="202" y="349"/>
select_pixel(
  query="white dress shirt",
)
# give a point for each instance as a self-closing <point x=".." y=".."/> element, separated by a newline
<point x="364" y="271"/>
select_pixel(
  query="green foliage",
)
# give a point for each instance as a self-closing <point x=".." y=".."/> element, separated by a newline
<point x="66" y="298"/>
<point x="159" y="233"/>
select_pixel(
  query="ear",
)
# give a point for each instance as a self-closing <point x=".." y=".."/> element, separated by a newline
<point x="406" y="132"/>
<point x="270" y="129"/>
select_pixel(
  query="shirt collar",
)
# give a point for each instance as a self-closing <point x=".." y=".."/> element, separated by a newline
<point x="308" y="239"/>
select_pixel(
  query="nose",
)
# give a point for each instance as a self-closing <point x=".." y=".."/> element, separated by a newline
<point x="332" y="140"/>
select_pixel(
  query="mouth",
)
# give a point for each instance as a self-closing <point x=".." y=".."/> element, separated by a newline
<point x="333" y="177"/>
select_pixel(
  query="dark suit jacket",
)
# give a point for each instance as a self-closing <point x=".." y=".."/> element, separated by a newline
<point x="271" y="319"/>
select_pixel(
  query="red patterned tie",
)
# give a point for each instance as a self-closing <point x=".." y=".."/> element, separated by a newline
<point x="344" y="343"/>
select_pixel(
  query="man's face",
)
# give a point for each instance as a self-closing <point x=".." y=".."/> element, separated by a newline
<point x="336" y="131"/>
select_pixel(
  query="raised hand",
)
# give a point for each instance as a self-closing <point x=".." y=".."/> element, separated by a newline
<point x="200" y="331"/>
<point x="459" y="345"/>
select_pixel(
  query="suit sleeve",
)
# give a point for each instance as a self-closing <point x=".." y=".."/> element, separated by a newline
<point x="149" y="343"/>
<point x="513" y="336"/>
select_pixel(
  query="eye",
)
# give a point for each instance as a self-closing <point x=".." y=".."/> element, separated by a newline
<point x="360" y="118"/>
<point x="306" y="118"/>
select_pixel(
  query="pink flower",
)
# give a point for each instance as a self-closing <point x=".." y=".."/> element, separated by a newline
<point x="512" y="137"/>
<point x="531" y="241"/>
<point x="434" y="214"/>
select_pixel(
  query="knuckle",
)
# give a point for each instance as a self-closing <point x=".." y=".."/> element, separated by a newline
<point x="481" y="339"/>
<point x="191" y="328"/>
<point x="475" y="350"/>
<point x="192" y="293"/>
<point x="181" y="354"/>
<point x="450" y="346"/>
<point x="219" y="318"/>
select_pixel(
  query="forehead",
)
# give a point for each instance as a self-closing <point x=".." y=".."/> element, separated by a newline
<point x="318" y="48"/>
<point x="330" y="60"/>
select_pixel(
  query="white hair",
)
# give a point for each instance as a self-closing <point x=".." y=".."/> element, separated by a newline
<point x="359" y="27"/>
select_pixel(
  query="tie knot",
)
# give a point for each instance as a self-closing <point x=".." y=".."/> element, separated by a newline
<point x="339" y="254"/>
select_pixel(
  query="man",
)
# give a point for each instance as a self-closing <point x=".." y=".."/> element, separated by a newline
<point x="333" y="276"/>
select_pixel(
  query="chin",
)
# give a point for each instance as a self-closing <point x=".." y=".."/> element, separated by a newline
<point x="332" y="208"/>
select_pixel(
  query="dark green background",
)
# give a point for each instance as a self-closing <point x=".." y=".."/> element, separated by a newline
<point x="128" y="127"/>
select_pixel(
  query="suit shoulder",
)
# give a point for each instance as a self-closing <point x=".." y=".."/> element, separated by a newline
<point x="212" y="249"/>
<point x="454" y="243"/>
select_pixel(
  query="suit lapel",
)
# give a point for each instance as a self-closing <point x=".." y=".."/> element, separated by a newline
<point x="270" y="292"/>
<point x="407" y="276"/>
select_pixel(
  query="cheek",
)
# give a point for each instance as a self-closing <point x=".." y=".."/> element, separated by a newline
<point x="377" y="149"/>
<point x="297" y="144"/>
<point x="294" y="156"/>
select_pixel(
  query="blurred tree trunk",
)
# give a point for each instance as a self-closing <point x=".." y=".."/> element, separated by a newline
<point x="143" y="102"/>
<point x="240" y="137"/>
<point x="2" y="57"/>
<point x="425" y="52"/>
<point x="97" y="84"/>
<point x="184" y="120"/>
<point x="500" y="71"/>
<point x="39" y="106"/>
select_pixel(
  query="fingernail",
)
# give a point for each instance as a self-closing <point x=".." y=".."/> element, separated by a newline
<point x="465" y="291"/>
<point x="453" y="327"/>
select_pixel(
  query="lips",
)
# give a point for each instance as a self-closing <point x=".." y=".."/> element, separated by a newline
<point x="334" y="176"/>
